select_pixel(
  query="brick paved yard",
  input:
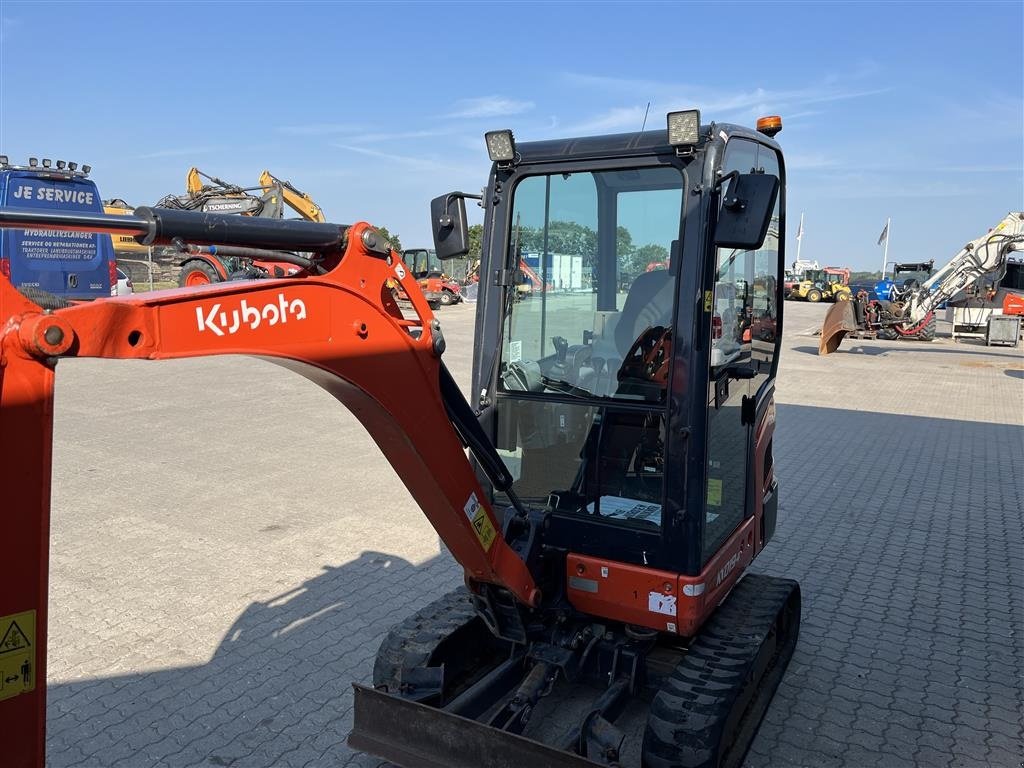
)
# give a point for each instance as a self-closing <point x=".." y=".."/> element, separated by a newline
<point x="229" y="547"/>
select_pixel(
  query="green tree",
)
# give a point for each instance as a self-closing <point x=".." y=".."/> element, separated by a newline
<point x="476" y="242"/>
<point x="563" y="237"/>
<point x="646" y="255"/>
<point x="395" y="241"/>
<point x="623" y="243"/>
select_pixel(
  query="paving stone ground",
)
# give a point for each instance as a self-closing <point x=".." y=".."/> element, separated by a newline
<point x="229" y="547"/>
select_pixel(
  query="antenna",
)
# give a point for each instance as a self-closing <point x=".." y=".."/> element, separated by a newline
<point x="645" y="117"/>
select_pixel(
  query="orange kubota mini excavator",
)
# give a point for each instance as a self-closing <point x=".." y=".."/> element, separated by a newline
<point x="619" y="477"/>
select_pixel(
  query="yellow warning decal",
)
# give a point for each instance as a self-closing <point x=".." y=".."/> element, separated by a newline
<point x="709" y="301"/>
<point x="17" y="654"/>
<point x="481" y="523"/>
<point x="714" y="492"/>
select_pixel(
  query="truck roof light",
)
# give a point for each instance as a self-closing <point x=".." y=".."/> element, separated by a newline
<point x="86" y="169"/>
<point x="3" y="160"/>
<point x="61" y="165"/>
<point x="72" y="166"/>
<point x="47" y="162"/>
<point x="769" y="125"/>
<point x="684" y="128"/>
<point x="501" y="146"/>
<point x="33" y="162"/>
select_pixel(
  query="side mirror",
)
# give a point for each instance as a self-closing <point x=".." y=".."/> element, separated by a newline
<point x="747" y="211"/>
<point x="448" y="223"/>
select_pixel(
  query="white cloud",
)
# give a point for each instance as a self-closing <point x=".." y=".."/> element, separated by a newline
<point x="719" y="104"/>
<point x="489" y="106"/>
<point x="8" y="24"/>
<point x="616" y="119"/>
<point x="183" y="152"/>
<point x="858" y="186"/>
<point x="321" y="129"/>
<point x="420" y="163"/>
<point x="371" y="137"/>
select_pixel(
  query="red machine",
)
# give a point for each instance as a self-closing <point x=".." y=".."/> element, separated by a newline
<point x="621" y="480"/>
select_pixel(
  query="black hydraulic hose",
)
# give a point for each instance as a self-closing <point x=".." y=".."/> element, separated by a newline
<point x="31" y="218"/>
<point x="227" y="229"/>
<point x="161" y="226"/>
<point x="474" y="437"/>
<point x="229" y="251"/>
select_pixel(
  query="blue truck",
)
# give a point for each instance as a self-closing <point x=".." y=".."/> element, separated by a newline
<point x="43" y="263"/>
<point x="889" y="286"/>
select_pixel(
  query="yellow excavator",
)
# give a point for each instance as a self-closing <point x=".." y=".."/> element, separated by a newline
<point x="294" y="198"/>
<point x="209" y="194"/>
<point x="125" y="246"/>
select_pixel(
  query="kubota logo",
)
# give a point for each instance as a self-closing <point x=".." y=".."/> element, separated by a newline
<point x="221" y="321"/>
<point x="726" y="569"/>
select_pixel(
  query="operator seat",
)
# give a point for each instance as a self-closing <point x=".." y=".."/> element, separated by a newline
<point x="648" y="304"/>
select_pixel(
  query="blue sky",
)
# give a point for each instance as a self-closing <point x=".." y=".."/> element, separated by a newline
<point x="914" y="111"/>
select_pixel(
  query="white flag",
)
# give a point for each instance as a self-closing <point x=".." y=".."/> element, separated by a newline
<point x="885" y="234"/>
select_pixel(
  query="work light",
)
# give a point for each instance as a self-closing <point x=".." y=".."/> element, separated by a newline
<point x="3" y="159"/>
<point x="72" y="166"/>
<point x="684" y="128"/>
<point x="61" y="165"/>
<point x="86" y="169"/>
<point x="33" y="162"/>
<point x="501" y="147"/>
<point x="47" y="162"/>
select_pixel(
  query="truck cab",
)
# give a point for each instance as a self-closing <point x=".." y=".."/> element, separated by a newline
<point x="66" y="265"/>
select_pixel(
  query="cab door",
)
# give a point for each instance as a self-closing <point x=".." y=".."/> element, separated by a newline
<point x="729" y="430"/>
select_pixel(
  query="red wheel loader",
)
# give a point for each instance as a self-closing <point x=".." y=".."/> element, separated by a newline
<point x="605" y="488"/>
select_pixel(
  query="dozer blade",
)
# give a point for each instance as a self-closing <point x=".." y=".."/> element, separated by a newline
<point x="839" y="321"/>
<point x="414" y="735"/>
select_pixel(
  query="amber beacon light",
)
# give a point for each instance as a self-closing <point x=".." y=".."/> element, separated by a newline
<point x="769" y="125"/>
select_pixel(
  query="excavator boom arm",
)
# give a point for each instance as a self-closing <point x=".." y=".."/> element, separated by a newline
<point x="342" y="330"/>
<point x="294" y="198"/>
<point x="978" y="257"/>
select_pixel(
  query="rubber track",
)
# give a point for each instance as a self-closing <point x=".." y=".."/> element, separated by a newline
<point x="688" y="714"/>
<point x="412" y="642"/>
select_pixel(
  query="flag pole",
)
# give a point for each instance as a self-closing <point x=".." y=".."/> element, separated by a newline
<point x="885" y="252"/>
<point x="800" y="236"/>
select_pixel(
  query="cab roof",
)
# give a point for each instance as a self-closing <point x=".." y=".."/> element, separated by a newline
<point x="624" y="144"/>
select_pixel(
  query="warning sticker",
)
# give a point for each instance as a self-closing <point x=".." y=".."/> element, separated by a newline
<point x="709" y="300"/>
<point x="714" y="492"/>
<point x="481" y="522"/>
<point x="17" y="654"/>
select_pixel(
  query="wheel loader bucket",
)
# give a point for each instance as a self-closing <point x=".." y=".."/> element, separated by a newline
<point x="839" y="321"/>
<point x="414" y="735"/>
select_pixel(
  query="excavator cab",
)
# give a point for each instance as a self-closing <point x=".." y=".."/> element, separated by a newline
<point x="595" y="386"/>
<point x="633" y="410"/>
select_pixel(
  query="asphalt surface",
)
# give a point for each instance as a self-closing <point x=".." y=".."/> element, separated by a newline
<point x="229" y="547"/>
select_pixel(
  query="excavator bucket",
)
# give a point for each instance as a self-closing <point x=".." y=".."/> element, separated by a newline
<point x="839" y="321"/>
<point x="413" y="735"/>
